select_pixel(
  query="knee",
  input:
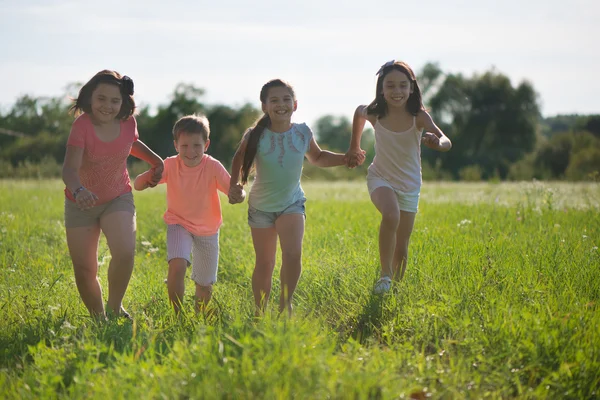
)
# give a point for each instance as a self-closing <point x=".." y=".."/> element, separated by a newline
<point x="123" y="257"/>
<point x="85" y="271"/>
<point x="265" y="265"/>
<point x="391" y="217"/>
<point x="292" y="256"/>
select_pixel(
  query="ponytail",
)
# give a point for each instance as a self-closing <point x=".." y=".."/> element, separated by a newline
<point x="252" y="145"/>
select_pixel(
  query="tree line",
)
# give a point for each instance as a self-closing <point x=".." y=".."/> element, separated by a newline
<point x="496" y="128"/>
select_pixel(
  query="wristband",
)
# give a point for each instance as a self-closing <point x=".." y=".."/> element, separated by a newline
<point x="76" y="192"/>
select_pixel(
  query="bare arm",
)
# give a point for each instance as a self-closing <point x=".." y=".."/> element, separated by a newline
<point x="323" y="158"/>
<point x="143" y="152"/>
<point x="238" y="160"/>
<point x="142" y="181"/>
<point x="433" y="137"/>
<point x="355" y="155"/>
<point x="236" y="190"/>
<point x="70" y="175"/>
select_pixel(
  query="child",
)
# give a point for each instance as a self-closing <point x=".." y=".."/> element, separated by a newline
<point x="394" y="178"/>
<point x="193" y="213"/>
<point x="276" y="201"/>
<point x="98" y="190"/>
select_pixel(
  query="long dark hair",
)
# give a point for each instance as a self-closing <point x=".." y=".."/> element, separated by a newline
<point x="83" y="102"/>
<point x="259" y="127"/>
<point x="414" y="104"/>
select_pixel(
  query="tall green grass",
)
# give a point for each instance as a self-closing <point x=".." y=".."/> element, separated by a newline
<point x="500" y="300"/>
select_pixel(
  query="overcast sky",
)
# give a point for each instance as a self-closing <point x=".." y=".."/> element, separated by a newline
<point x="329" y="50"/>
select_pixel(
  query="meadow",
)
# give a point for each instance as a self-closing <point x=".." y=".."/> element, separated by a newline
<point x="500" y="300"/>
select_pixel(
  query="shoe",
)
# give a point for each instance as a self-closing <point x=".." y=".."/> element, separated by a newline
<point x="122" y="314"/>
<point x="125" y="314"/>
<point x="383" y="285"/>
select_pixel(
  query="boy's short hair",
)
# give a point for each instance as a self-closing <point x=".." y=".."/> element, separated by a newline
<point x="192" y="124"/>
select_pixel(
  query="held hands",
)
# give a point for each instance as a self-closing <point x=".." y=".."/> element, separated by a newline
<point x="236" y="194"/>
<point x="431" y="141"/>
<point x="155" y="175"/>
<point x="85" y="199"/>
<point x="354" y="157"/>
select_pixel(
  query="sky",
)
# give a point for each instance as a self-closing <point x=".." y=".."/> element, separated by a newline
<point x="329" y="50"/>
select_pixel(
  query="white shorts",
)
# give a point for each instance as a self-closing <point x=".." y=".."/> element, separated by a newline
<point x="406" y="201"/>
<point x="204" y="251"/>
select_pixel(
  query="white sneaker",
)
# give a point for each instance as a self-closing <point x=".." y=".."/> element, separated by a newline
<point x="383" y="285"/>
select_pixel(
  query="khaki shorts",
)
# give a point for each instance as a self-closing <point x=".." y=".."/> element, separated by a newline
<point x="76" y="218"/>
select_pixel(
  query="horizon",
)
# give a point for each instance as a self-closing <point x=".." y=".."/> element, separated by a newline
<point x="329" y="52"/>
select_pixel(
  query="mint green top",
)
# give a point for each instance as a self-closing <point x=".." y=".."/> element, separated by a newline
<point x="278" y="163"/>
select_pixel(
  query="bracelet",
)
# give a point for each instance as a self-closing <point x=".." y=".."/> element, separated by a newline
<point x="76" y="192"/>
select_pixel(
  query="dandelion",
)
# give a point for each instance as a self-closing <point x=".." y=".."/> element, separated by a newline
<point x="67" y="325"/>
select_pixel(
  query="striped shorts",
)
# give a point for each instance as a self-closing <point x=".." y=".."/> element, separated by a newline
<point x="204" y="251"/>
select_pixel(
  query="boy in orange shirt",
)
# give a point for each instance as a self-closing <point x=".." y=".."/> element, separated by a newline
<point x="193" y="213"/>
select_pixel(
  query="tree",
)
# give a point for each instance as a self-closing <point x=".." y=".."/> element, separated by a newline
<point x="156" y="131"/>
<point x="333" y="132"/>
<point x="227" y="125"/>
<point x="491" y="123"/>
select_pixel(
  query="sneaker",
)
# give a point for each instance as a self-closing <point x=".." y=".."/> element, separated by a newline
<point x="125" y="314"/>
<point x="383" y="285"/>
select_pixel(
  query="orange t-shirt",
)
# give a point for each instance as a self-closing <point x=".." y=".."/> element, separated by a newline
<point x="103" y="169"/>
<point x="192" y="197"/>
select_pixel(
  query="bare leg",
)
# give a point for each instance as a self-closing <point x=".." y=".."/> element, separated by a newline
<point x="203" y="296"/>
<point x="386" y="202"/>
<point x="265" y="248"/>
<point x="405" y="228"/>
<point x="290" y="228"/>
<point x="119" y="228"/>
<point x="83" y="247"/>
<point x="176" y="282"/>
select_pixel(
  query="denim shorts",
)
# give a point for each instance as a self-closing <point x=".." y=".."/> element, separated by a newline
<point x="266" y="219"/>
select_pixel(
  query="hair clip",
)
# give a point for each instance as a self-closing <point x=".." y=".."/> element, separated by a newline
<point x="127" y="83"/>
<point x="384" y="66"/>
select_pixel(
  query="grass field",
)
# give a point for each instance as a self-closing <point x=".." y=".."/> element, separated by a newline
<point x="500" y="300"/>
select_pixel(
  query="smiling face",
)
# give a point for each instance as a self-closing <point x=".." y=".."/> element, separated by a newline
<point x="106" y="102"/>
<point x="191" y="148"/>
<point x="280" y="104"/>
<point x="397" y="88"/>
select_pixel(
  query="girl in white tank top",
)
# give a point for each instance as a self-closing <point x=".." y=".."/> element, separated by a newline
<point x="394" y="178"/>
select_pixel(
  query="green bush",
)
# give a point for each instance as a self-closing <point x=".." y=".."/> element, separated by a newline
<point x="470" y="173"/>
<point x="584" y="165"/>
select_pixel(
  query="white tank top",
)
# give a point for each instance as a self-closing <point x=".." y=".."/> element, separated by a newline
<point x="398" y="157"/>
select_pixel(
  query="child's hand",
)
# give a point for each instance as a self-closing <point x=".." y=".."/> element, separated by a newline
<point x="431" y="141"/>
<point x="156" y="175"/>
<point x="85" y="199"/>
<point x="354" y="158"/>
<point x="236" y="194"/>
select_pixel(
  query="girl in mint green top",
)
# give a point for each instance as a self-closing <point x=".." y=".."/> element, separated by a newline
<point x="277" y="148"/>
<point x="278" y="164"/>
